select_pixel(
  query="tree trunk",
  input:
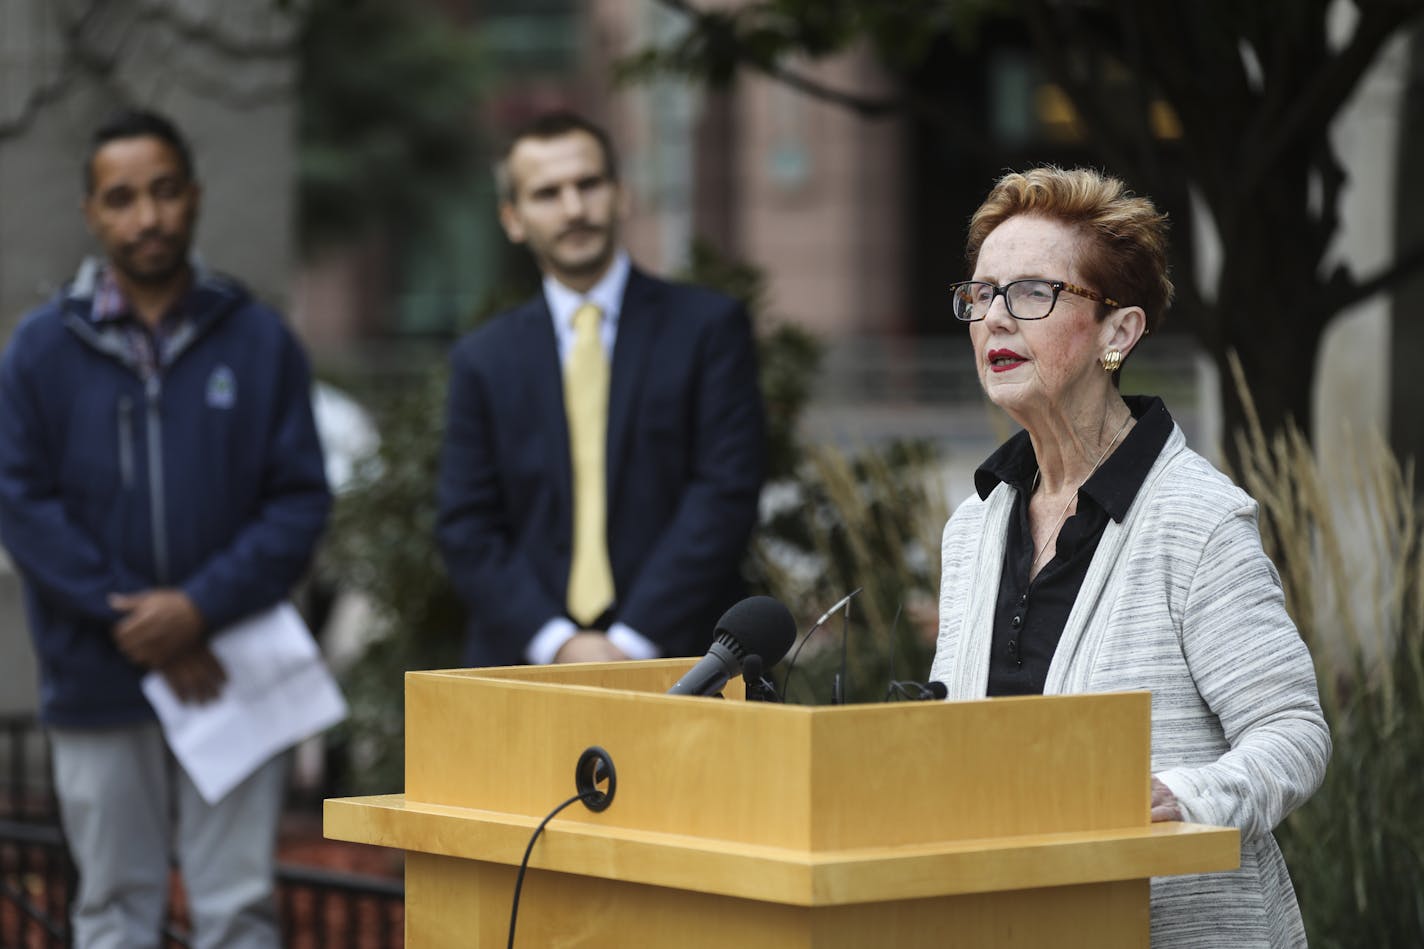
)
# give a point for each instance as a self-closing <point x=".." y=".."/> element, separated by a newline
<point x="1268" y="308"/>
<point x="1266" y="319"/>
<point x="1283" y="399"/>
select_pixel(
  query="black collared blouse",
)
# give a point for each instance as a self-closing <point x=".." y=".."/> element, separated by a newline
<point x="1029" y="616"/>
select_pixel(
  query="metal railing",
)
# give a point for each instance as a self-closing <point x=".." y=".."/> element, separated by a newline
<point x="36" y="880"/>
<point x="320" y="908"/>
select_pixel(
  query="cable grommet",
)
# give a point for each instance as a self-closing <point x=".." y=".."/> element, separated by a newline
<point x="595" y="765"/>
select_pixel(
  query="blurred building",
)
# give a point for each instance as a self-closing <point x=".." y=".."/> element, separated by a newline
<point x="858" y="223"/>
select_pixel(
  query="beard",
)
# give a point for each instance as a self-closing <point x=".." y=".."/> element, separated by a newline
<point x="152" y="269"/>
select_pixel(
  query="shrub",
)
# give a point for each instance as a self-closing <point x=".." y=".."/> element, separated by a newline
<point x="1352" y="566"/>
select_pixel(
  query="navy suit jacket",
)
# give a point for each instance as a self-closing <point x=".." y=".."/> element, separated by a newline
<point x="686" y="459"/>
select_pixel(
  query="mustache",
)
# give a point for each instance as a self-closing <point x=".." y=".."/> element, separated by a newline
<point x="153" y="234"/>
<point x="578" y="229"/>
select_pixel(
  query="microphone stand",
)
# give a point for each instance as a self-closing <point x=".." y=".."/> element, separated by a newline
<point x="791" y="663"/>
<point x="838" y="685"/>
<point x="758" y="688"/>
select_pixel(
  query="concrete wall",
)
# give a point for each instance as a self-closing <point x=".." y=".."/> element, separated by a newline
<point x="1353" y="382"/>
<point x="223" y="71"/>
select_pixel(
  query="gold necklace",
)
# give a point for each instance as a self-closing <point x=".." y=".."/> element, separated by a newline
<point x="1053" y="532"/>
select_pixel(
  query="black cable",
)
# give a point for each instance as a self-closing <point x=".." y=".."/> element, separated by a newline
<point x="791" y="663"/>
<point x="908" y="691"/>
<point x="894" y="628"/>
<point x="524" y="864"/>
<point x="838" y="692"/>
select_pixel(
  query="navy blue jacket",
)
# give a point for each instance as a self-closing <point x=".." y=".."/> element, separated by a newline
<point x="686" y="457"/>
<point x="208" y="479"/>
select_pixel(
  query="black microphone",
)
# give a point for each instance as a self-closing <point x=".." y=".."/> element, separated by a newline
<point x="751" y="671"/>
<point x="759" y="688"/>
<point x="757" y="625"/>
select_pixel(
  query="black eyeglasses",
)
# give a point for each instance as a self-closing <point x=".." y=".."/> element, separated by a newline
<point x="1025" y="299"/>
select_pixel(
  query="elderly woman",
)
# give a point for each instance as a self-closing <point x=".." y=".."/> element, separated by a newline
<point x="1100" y="553"/>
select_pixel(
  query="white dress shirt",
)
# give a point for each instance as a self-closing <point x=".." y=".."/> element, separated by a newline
<point x="607" y="295"/>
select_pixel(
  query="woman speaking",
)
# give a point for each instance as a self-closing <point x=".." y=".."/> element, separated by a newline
<point x="1100" y="553"/>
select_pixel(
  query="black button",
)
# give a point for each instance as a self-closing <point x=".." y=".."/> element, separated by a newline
<point x="1016" y="621"/>
<point x="1013" y="647"/>
<point x="1024" y="598"/>
<point x="1018" y="663"/>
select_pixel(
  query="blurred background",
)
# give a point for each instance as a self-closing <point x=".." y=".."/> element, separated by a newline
<point x="819" y="158"/>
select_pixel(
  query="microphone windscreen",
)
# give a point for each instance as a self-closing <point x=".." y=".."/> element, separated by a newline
<point x="937" y="690"/>
<point x="760" y="625"/>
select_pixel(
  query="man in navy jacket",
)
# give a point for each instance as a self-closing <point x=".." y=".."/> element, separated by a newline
<point x="685" y="433"/>
<point x="160" y="478"/>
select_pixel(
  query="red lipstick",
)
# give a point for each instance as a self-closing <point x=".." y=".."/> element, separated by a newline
<point x="1002" y="360"/>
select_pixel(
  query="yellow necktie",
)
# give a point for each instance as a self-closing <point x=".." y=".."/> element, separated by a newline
<point x="586" y="404"/>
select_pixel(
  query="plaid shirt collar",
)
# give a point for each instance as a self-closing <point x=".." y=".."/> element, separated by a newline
<point x="147" y="350"/>
<point x="111" y="306"/>
<point x="109" y="303"/>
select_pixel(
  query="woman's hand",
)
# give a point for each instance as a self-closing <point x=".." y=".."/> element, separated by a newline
<point x="1164" y="802"/>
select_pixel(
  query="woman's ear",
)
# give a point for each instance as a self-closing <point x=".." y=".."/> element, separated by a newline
<point x="1123" y="328"/>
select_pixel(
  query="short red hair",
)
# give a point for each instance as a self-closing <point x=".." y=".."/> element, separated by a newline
<point x="1125" y="236"/>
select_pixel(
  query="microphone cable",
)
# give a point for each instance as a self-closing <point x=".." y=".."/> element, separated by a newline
<point x="791" y="663"/>
<point x="917" y="691"/>
<point x="838" y="684"/>
<point x="907" y="690"/>
<point x="593" y="766"/>
<point x="891" y="684"/>
<point x="524" y="864"/>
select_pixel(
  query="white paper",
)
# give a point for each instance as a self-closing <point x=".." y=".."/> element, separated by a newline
<point x="278" y="692"/>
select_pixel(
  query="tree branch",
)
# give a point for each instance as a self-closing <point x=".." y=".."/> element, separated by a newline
<point x="1331" y="86"/>
<point x="865" y="106"/>
<point x="75" y="53"/>
<point x="1204" y="323"/>
<point x="1346" y="292"/>
<point x="81" y="56"/>
<point x="910" y="103"/>
<point x="40" y="96"/>
<point x="214" y="37"/>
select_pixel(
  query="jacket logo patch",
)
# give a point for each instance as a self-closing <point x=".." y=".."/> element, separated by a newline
<point x="222" y="388"/>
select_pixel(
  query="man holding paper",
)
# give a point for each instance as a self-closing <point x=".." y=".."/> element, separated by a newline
<point x="160" y="483"/>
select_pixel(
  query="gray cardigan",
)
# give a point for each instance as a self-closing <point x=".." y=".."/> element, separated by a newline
<point x="1180" y="600"/>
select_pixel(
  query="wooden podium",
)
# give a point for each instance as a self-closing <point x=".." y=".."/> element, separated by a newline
<point x="1011" y="822"/>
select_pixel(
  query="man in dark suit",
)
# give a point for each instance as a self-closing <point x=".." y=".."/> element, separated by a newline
<point x="605" y="441"/>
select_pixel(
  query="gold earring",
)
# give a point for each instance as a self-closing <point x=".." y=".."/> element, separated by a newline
<point x="1112" y="361"/>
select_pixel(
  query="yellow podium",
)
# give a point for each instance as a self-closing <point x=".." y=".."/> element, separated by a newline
<point x="1012" y="822"/>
